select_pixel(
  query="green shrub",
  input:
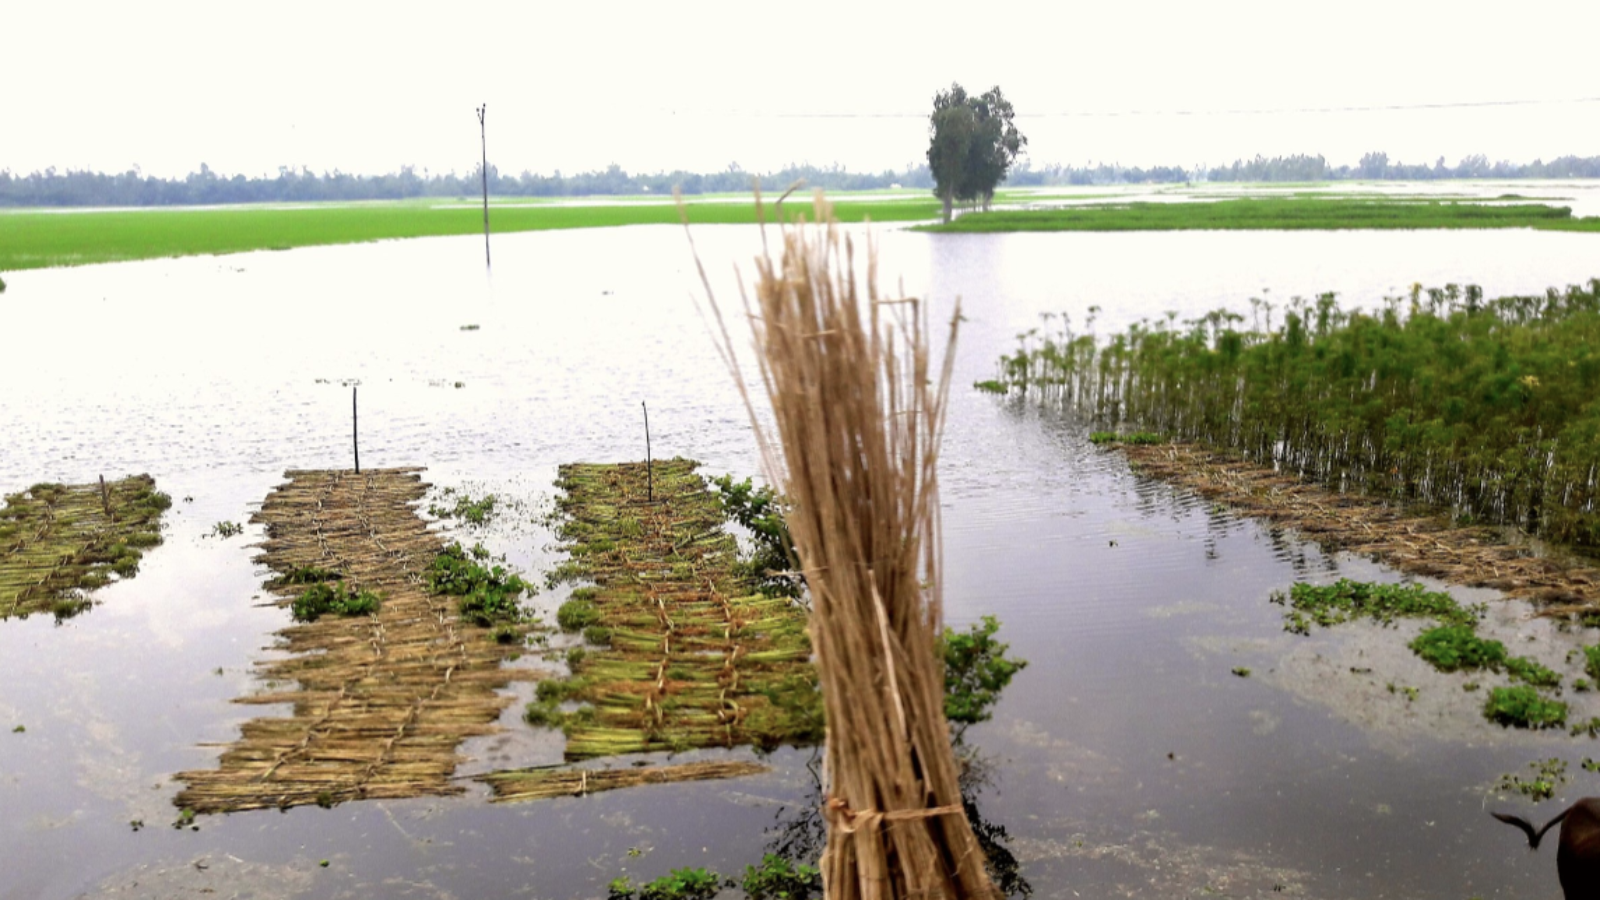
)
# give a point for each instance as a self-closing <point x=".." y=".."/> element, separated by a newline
<point x="680" y="884"/>
<point x="760" y="510"/>
<point x="779" y="879"/>
<point x="976" y="670"/>
<point x="1548" y="774"/>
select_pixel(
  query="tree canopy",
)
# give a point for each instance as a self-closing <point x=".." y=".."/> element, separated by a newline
<point x="972" y="144"/>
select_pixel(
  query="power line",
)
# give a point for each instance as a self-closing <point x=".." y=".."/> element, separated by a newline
<point x="1092" y="114"/>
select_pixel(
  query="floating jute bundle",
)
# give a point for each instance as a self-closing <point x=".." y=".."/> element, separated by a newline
<point x="858" y="408"/>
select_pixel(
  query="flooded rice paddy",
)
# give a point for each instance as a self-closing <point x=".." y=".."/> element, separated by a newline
<point x="1126" y="760"/>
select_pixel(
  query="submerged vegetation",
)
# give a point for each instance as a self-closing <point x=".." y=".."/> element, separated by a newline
<point x="1452" y="646"/>
<point x="1548" y="774"/>
<point x="58" y="542"/>
<point x="464" y="508"/>
<point x="687" y="651"/>
<point x="380" y="701"/>
<point x="516" y="785"/>
<point x="1488" y="407"/>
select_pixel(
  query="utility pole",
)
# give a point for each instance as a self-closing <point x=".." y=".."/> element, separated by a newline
<point x="483" y="135"/>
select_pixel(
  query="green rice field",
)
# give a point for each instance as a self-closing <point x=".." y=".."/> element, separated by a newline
<point x="37" y="239"/>
<point x="1276" y="213"/>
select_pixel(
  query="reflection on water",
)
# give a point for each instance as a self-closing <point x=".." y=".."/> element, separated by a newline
<point x="1125" y="761"/>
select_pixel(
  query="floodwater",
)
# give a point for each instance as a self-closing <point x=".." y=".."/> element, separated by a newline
<point x="1126" y="760"/>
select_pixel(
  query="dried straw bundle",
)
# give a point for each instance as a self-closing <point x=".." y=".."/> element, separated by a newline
<point x="859" y="410"/>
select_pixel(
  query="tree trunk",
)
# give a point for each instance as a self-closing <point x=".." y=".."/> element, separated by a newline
<point x="947" y="203"/>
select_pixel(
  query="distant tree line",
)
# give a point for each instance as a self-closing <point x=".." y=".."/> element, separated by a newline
<point x="205" y="187"/>
<point x="132" y="188"/>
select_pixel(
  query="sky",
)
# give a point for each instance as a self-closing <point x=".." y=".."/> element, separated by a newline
<point x="246" y="87"/>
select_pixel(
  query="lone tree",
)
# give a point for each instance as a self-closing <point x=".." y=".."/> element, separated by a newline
<point x="973" y="142"/>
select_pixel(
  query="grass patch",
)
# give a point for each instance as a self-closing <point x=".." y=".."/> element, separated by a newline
<point x="1275" y="213"/>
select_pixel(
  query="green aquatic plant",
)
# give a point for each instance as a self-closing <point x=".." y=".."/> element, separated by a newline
<point x="1587" y="728"/>
<point x="488" y="594"/>
<point x="1450" y="648"/>
<point x="1591" y="661"/>
<point x="58" y="541"/>
<point x="226" y="529"/>
<point x="465" y="508"/>
<point x="1523" y="706"/>
<point x="1531" y="672"/>
<point x="577" y="614"/>
<point x="1548" y="774"/>
<point x="333" y="598"/>
<point x="679" y="884"/>
<point x="991" y="386"/>
<point x="1344" y="600"/>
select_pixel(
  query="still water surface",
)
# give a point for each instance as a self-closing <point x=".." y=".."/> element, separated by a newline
<point x="1126" y="760"/>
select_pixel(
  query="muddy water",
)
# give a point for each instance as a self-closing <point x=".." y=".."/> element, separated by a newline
<point x="1126" y="760"/>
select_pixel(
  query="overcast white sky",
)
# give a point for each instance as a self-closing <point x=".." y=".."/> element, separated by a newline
<point x="247" y="86"/>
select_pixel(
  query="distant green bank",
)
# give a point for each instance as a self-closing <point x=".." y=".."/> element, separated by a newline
<point x="39" y="239"/>
<point x="1275" y="213"/>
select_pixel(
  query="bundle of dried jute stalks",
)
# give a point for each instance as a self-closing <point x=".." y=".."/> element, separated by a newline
<point x="858" y="405"/>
